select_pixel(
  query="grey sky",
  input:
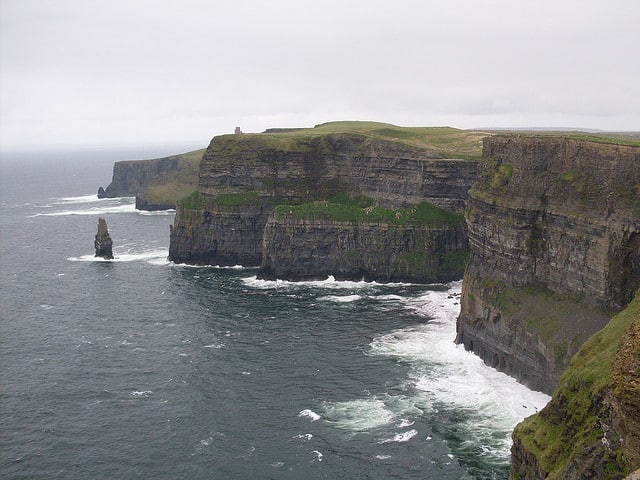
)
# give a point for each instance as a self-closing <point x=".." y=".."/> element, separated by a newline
<point x="140" y="71"/>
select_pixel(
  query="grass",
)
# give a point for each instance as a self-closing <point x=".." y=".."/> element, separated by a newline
<point x="167" y="189"/>
<point x="361" y="209"/>
<point x="570" y="424"/>
<point x="444" y="141"/>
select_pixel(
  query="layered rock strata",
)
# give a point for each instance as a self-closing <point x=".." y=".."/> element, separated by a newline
<point x="243" y="177"/>
<point x="131" y="177"/>
<point x="554" y="233"/>
<point x="308" y="249"/>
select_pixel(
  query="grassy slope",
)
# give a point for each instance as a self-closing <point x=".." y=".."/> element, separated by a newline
<point x="445" y="141"/>
<point x="167" y="189"/>
<point x="570" y="424"/>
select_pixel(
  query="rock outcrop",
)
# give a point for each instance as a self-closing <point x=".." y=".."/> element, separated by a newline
<point x="554" y="233"/>
<point x="243" y="177"/>
<point x="103" y="243"/>
<point x="131" y="177"/>
<point x="157" y="183"/>
<point x="591" y="427"/>
<point x="311" y="248"/>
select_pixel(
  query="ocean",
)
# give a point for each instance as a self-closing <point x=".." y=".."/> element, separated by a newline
<point x="140" y="368"/>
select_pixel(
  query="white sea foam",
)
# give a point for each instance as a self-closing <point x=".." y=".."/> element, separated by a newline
<point x="96" y="210"/>
<point x="154" y="257"/>
<point x="401" y="437"/>
<point x="329" y="283"/>
<point x="141" y="393"/>
<point x="319" y="455"/>
<point x="304" y="436"/>
<point x="358" y="415"/>
<point x="309" y="414"/>
<point x="341" y="299"/>
<point x="90" y="198"/>
<point x="448" y="377"/>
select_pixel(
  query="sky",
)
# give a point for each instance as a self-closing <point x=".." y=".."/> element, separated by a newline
<point x="127" y="72"/>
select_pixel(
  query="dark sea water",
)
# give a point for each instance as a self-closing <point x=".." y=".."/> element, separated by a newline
<point x="139" y="368"/>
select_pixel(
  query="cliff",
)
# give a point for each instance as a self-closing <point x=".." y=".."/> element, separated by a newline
<point x="157" y="183"/>
<point x="242" y="178"/>
<point x="553" y="226"/>
<point x="303" y="244"/>
<point x="591" y="427"/>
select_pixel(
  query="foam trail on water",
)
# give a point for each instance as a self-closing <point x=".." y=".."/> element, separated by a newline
<point x="341" y="299"/>
<point x="77" y="200"/>
<point x="102" y="210"/>
<point x="154" y="257"/>
<point x="488" y="402"/>
<point x="329" y="283"/>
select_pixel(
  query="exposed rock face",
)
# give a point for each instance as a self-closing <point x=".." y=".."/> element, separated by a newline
<point x="218" y="235"/>
<point x="306" y="249"/>
<point x="103" y="243"/>
<point x="393" y="174"/>
<point x="283" y="170"/>
<point x="591" y="427"/>
<point x="554" y="233"/>
<point x="131" y="177"/>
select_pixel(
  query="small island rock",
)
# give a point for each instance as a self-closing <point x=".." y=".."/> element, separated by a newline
<point x="103" y="242"/>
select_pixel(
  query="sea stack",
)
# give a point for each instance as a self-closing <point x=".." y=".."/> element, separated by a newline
<point x="103" y="242"/>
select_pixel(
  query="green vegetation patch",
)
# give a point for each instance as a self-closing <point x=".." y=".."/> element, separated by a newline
<point x="237" y="199"/>
<point x="353" y="211"/>
<point x="445" y="141"/>
<point x="570" y="424"/>
<point x="172" y="186"/>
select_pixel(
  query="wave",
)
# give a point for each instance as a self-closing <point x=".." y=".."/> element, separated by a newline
<point x="309" y="414"/>
<point x="154" y="257"/>
<point x="447" y="377"/>
<point x="341" y="298"/>
<point x="369" y="413"/>
<point x="99" y="210"/>
<point x="91" y="198"/>
<point x="401" y="437"/>
<point x="329" y="283"/>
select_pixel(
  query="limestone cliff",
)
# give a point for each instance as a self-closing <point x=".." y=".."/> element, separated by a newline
<point x="554" y="232"/>
<point x="243" y="177"/>
<point x="591" y="427"/>
<point x="308" y="246"/>
<point x="156" y="183"/>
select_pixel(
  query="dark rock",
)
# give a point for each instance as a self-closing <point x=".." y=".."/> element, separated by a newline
<point x="131" y="177"/>
<point x="103" y="243"/>
<point x="101" y="193"/>
<point x="554" y="233"/>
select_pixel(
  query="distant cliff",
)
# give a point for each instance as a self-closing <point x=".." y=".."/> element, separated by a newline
<point x="231" y="219"/>
<point x="156" y="183"/>
<point x="554" y="232"/>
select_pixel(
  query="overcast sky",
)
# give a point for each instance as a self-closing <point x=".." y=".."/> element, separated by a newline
<point x="86" y="72"/>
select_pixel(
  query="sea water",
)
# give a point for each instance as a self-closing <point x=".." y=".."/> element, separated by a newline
<point x="140" y="368"/>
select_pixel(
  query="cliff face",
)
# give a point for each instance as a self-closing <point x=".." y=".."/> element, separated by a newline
<point x="591" y="427"/>
<point x="305" y="249"/>
<point x="158" y="183"/>
<point x="392" y="173"/>
<point x="131" y="177"/>
<point x="554" y="236"/>
<point x="243" y="177"/>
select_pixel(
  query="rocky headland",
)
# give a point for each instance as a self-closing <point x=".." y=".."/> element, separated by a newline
<point x="158" y="183"/>
<point x="344" y="199"/>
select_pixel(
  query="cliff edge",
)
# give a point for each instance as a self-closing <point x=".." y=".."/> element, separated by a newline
<point x="591" y="427"/>
<point x="554" y="232"/>
<point x="232" y="218"/>
<point x="156" y="183"/>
